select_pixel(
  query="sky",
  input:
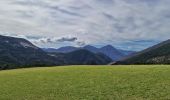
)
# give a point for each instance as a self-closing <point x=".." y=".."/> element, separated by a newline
<point x="125" y="24"/>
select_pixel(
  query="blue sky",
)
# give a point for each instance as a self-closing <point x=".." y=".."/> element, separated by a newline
<point x="125" y="24"/>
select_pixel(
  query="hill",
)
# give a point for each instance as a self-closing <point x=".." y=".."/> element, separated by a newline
<point x="158" y="54"/>
<point x="86" y="83"/>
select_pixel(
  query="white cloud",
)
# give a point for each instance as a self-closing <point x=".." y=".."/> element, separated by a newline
<point x="91" y="21"/>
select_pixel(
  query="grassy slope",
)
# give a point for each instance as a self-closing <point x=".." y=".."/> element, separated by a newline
<point x="86" y="83"/>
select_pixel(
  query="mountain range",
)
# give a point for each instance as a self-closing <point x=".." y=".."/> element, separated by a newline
<point x="108" y="50"/>
<point x="158" y="54"/>
<point x="18" y="53"/>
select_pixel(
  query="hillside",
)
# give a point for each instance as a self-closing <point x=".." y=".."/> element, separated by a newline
<point x="158" y="54"/>
<point x="18" y="52"/>
<point x="86" y="83"/>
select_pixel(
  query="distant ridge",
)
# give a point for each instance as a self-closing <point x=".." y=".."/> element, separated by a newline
<point x="83" y="57"/>
<point x="66" y="49"/>
<point x="108" y="50"/>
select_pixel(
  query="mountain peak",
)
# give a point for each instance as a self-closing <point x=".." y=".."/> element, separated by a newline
<point x="109" y="47"/>
<point x="89" y="46"/>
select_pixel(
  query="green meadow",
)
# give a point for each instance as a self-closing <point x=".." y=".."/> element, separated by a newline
<point x="87" y="83"/>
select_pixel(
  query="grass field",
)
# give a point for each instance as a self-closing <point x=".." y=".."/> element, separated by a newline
<point x="87" y="83"/>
